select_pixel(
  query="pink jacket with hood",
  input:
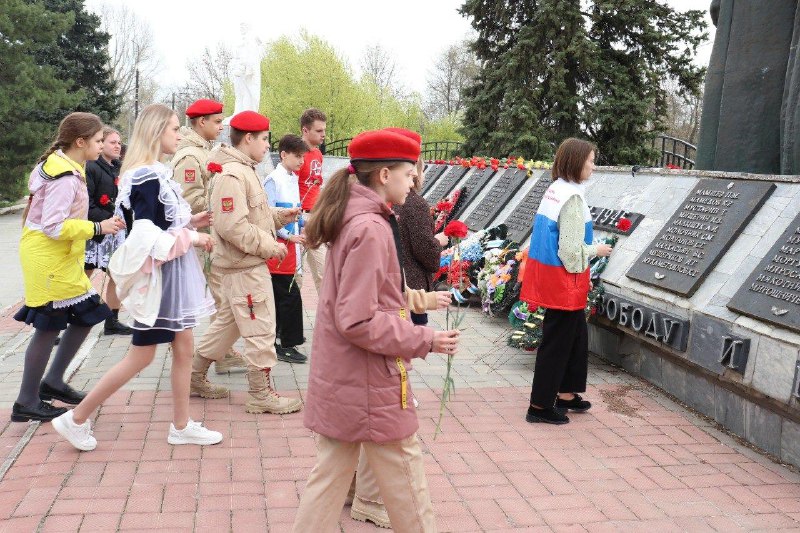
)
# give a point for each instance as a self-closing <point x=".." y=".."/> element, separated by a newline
<point x="354" y="385"/>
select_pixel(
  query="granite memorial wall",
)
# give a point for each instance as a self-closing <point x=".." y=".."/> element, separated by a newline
<point x="703" y="290"/>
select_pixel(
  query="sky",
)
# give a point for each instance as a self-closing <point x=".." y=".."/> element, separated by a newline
<point x="414" y="32"/>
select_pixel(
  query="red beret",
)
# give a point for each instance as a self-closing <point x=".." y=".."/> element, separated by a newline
<point x="382" y="145"/>
<point x="408" y="133"/>
<point x="203" y="107"/>
<point x="250" y="121"/>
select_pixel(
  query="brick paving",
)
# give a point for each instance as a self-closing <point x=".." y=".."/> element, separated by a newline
<point x="636" y="462"/>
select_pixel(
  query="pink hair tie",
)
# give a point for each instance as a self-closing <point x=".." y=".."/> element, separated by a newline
<point x="351" y="169"/>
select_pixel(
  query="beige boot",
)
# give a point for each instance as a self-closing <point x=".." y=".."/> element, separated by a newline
<point x="262" y="398"/>
<point x="200" y="386"/>
<point x="364" y="510"/>
<point x="233" y="360"/>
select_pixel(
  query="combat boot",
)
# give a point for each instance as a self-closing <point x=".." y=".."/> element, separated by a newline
<point x="364" y="510"/>
<point x="200" y="386"/>
<point x="262" y="398"/>
<point x="233" y="360"/>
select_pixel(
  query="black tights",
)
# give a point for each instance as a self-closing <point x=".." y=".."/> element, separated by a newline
<point x="38" y="354"/>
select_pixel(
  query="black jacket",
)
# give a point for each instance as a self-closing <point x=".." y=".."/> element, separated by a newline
<point x="101" y="180"/>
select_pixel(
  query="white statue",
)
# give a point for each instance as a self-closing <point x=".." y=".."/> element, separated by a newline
<point x="246" y="71"/>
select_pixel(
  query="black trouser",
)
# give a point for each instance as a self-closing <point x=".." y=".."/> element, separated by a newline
<point x="288" y="311"/>
<point x="562" y="361"/>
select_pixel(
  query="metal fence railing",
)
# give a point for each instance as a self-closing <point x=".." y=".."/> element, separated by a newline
<point x="441" y="149"/>
<point x="674" y="151"/>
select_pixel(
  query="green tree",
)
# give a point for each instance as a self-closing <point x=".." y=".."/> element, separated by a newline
<point x="595" y="69"/>
<point x="83" y="58"/>
<point x="28" y="91"/>
<point x="309" y="72"/>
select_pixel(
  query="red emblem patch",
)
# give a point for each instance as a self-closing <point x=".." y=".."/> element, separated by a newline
<point x="227" y="205"/>
<point x="188" y="175"/>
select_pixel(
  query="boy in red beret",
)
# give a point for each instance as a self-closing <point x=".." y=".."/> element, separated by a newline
<point x="245" y="235"/>
<point x="190" y="169"/>
<point x="358" y="390"/>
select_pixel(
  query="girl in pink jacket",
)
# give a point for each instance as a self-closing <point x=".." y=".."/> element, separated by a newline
<point x="358" y="389"/>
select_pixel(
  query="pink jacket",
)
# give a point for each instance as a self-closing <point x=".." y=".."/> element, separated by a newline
<point x="354" y="384"/>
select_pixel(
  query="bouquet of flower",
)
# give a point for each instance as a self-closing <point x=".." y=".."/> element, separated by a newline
<point x="456" y="231"/>
<point x="528" y="335"/>
<point x="528" y="332"/>
<point x="447" y="207"/>
<point x="498" y="281"/>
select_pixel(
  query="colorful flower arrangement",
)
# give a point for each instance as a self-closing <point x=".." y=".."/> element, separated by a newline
<point x="463" y="268"/>
<point x="498" y="279"/>
<point x="528" y="323"/>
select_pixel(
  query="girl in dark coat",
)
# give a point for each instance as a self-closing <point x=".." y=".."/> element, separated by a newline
<point x="101" y="183"/>
<point x="422" y="249"/>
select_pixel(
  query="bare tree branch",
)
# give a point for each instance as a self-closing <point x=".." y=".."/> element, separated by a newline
<point x="379" y="66"/>
<point x="455" y="68"/>
<point x="208" y="73"/>
<point x="131" y="47"/>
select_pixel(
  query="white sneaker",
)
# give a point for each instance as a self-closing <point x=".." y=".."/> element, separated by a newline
<point x="79" y="435"/>
<point x="193" y="433"/>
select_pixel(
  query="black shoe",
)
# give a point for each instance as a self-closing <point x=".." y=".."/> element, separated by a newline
<point x="115" y="327"/>
<point x="44" y="412"/>
<point x="551" y="415"/>
<point x="67" y="395"/>
<point x="290" y="355"/>
<point x="577" y="404"/>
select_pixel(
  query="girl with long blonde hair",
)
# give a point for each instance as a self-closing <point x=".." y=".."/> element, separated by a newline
<point x="158" y="277"/>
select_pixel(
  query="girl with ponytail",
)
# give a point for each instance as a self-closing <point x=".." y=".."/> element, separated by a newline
<point x="58" y="295"/>
<point x="358" y="390"/>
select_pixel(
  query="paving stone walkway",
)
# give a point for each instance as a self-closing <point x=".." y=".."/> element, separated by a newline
<point x="636" y="462"/>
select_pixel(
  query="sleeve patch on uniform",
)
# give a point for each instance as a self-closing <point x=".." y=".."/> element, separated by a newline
<point x="227" y="205"/>
<point x="189" y="175"/>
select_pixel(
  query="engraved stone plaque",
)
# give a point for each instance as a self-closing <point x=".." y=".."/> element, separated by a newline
<point x="606" y="219"/>
<point x="432" y="174"/>
<point x="699" y="233"/>
<point x="657" y="325"/>
<point x="520" y="221"/>
<point x="772" y="292"/>
<point x="504" y="189"/>
<point x="445" y="184"/>
<point x="475" y="182"/>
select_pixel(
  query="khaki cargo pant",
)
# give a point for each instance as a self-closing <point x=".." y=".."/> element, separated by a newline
<point x="246" y="309"/>
<point x="315" y="262"/>
<point x="399" y="471"/>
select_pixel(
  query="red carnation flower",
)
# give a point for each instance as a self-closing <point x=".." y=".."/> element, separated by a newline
<point x="105" y="200"/>
<point x="624" y="224"/>
<point x="214" y="167"/>
<point x="456" y="230"/>
<point x="444" y="206"/>
<point x="521" y="166"/>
